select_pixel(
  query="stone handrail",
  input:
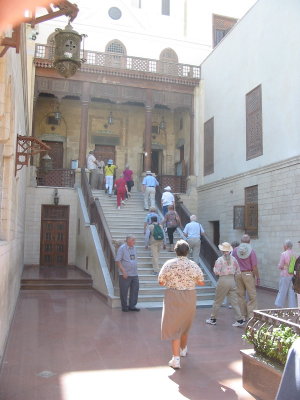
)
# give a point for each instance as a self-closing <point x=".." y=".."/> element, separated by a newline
<point x="129" y="63"/>
<point x="97" y="218"/>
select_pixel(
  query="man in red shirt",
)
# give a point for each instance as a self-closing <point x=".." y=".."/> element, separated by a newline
<point x="121" y="187"/>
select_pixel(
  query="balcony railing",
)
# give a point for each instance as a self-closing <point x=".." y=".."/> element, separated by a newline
<point x="55" y="177"/>
<point x="128" y="63"/>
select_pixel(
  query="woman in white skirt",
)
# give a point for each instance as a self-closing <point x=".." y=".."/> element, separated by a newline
<point x="180" y="276"/>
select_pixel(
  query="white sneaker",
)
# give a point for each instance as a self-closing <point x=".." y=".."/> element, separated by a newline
<point x="123" y="202"/>
<point x="211" y="321"/>
<point x="119" y="208"/>
<point x="237" y="323"/>
<point x="174" y="362"/>
<point x="183" y="352"/>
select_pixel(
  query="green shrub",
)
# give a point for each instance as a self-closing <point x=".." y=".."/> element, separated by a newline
<point x="272" y="343"/>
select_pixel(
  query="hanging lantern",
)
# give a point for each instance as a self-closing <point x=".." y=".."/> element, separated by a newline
<point x="67" y="51"/>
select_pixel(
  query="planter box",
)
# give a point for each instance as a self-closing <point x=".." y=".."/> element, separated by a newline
<point x="260" y="376"/>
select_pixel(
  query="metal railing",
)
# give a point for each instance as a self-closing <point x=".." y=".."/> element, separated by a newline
<point x="273" y="331"/>
<point x="61" y="177"/>
<point x="97" y="218"/>
<point x="119" y="61"/>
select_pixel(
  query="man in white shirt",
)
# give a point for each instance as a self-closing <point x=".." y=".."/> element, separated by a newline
<point x="167" y="199"/>
<point x="92" y="164"/>
<point x="193" y="232"/>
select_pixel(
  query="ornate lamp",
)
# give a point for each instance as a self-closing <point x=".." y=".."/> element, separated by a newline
<point x="67" y="51"/>
<point x="162" y="125"/>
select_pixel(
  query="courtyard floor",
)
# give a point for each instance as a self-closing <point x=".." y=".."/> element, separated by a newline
<point x="69" y="345"/>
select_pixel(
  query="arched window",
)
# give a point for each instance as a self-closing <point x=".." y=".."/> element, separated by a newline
<point x="115" y="46"/>
<point x="168" y="55"/>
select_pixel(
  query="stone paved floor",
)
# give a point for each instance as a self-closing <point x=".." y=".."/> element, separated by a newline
<point x="68" y="345"/>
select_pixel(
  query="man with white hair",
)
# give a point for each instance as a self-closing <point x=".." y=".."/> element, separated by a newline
<point x="193" y="232"/>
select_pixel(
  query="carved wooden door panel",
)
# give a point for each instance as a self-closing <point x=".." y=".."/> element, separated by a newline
<point x="56" y="153"/>
<point x="105" y="153"/>
<point x="54" y="235"/>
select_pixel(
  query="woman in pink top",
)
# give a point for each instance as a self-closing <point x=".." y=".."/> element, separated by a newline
<point x="285" y="282"/>
<point x="127" y="173"/>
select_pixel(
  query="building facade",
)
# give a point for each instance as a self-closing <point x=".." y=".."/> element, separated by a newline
<point x="249" y="166"/>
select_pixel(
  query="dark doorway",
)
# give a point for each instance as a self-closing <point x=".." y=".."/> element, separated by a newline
<point x="216" y="232"/>
<point x="56" y="153"/>
<point x="54" y="235"/>
<point x="156" y="161"/>
<point x="105" y="153"/>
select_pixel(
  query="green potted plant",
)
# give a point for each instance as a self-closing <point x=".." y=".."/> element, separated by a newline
<point x="272" y="333"/>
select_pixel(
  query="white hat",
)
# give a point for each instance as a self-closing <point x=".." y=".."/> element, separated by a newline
<point x="168" y="188"/>
<point x="225" y="246"/>
<point x="148" y="173"/>
<point x="110" y="162"/>
<point x="244" y="250"/>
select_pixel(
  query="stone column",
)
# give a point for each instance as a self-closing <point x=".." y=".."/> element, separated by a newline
<point x="192" y="144"/>
<point x="148" y="130"/>
<point x="84" y="124"/>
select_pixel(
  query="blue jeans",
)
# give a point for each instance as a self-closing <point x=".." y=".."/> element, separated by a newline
<point x="285" y="290"/>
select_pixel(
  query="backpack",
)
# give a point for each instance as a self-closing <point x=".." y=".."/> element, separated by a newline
<point x="172" y="219"/>
<point x="296" y="277"/>
<point x="292" y="265"/>
<point x="157" y="232"/>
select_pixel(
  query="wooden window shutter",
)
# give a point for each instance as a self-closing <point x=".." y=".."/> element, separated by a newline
<point x="251" y="217"/>
<point x="239" y="217"/>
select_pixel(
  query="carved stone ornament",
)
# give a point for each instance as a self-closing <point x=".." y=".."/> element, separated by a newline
<point x="67" y="51"/>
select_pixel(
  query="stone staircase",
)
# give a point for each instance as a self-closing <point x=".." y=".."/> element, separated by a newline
<point x="55" y="278"/>
<point x="130" y="220"/>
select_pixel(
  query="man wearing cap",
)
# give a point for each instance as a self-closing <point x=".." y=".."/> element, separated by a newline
<point x="167" y="199"/>
<point x="193" y="232"/>
<point x="249" y="276"/>
<point x="109" y="171"/>
<point x="149" y="185"/>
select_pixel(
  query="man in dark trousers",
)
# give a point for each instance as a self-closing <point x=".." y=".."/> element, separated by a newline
<point x="128" y="279"/>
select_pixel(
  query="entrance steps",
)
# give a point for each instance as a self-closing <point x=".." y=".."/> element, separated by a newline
<point x="130" y="220"/>
<point x="36" y="277"/>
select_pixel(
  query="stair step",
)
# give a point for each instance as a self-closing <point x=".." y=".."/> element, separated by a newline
<point x="130" y="220"/>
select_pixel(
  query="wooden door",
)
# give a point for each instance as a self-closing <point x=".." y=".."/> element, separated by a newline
<point x="54" y="235"/>
<point x="156" y="161"/>
<point x="56" y="153"/>
<point x="105" y="153"/>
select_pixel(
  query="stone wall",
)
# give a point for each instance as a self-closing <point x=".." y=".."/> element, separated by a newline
<point x="278" y="211"/>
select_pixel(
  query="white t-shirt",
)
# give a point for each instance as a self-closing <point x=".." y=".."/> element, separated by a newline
<point x="91" y="162"/>
<point x="167" y="199"/>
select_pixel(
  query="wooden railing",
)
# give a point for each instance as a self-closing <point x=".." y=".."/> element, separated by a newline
<point x="118" y="61"/>
<point x="177" y="183"/>
<point x="61" y="177"/>
<point x="208" y="252"/>
<point x="97" y="218"/>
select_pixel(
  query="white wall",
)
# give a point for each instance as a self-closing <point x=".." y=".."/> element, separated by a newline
<point x="145" y="32"/>
<point x="13" y="107"/>
<point x="255" y="53"/>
